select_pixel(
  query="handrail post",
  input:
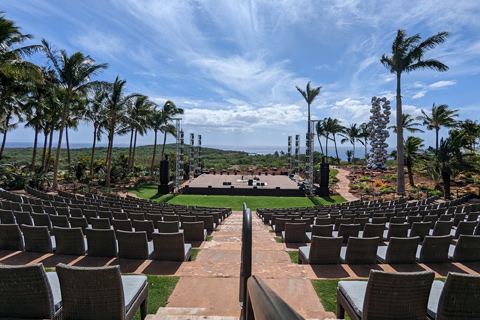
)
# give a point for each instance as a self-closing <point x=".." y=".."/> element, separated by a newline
<point x="246" y="264"/>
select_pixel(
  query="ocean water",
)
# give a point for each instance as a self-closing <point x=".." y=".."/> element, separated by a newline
<point x="342" y="149"/>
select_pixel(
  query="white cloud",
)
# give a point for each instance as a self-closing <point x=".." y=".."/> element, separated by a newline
<point x="420" y="94"/>
<point x="442" y="84"/>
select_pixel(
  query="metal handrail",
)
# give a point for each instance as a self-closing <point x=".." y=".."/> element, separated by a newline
<point x="264" y="304"/>
<point x="246" y="264"/>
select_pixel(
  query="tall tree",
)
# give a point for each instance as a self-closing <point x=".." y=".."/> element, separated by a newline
<point x="408" y="55"/>
<point x="333" y="127"/>
<point x="439" y="117"/>
<point x="409" y="124"/>
<point x="412" y="149"/>
<point x="319" y="128"/>
<point x="73" y="73"/>
<point x="309" y="95"/>
<point x="95" y="113"/>
<point x="365" y="135"/>
<point x="352" y="134"/>
<point x="169" y="111"/>
<point x="471" y="129"/>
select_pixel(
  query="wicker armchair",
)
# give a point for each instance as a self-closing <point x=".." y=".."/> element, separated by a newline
<point x="171" y="247"/>
<point x="399" y="250"/>
<point x="42" y="219"/>
<point x="23" y="217"/>
<point x="144" y="225"/>
<point x="37" y="239"/>
<point x="60" y="221"/>
<point x="467" y="249"/>
<point x="134" y="245"/>
<point x="324" y="250"/>
<point x="124" y="225"/>
<point x="294" y="233"/>
<point x="100" y="223"/>
<point x="464" y="227"/>
<point x="76" y="212"/>
<point x="434" y="249"/>
<point x="360" y="251"/>
<point x="373" y="230"/>
<point x="27" y="292"/>
<point x="7" y="217"/>
<point x="70" y="241"/>
<point x="78" y="222"/>
<point x="420" y="229"/>
<point x="11" y="237"/>
<point x="101" y="293"/>
<point x="399" y="230"/>
<point x="442" y="228"/>
<point x="167" y="226"/>
<point x="347" y="230"/>
<point x="208" y="222"/>
<point x="89" y="214"/>
<point x="101" y="242"/>
<point x="321" y="231"/>
<point x="386" y="295"/>
<point x="279" y="225"/>
<point x="456" y="299"/>
<point x="194" y="231"/>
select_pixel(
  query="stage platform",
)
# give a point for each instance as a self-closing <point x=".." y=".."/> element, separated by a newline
<point x="246" y="185"/>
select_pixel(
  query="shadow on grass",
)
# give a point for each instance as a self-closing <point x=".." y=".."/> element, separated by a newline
<point x="316" y="200"/>
<point x="165" y="197"/>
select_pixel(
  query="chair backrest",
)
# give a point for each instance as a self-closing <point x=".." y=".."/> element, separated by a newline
<point x="144" y="225"/>
<point x="100" y="223"/>
<point x="399" y="230"/>
<point x="76" y="212"/>
<point x="132" y="245"/>
<point x="467" y="249"/>
<point x="169" y="246"/>
<point x="378" y="220"/>
<point x="435" y="249"/>
<point x="374" y="230"/>
<point x="295" y="232"/>
<point x="42" y="219"/>
<point x="459" y="297"/>
<point x="69" y="241"/>
<point x="59" y="221"/>
<point x="340" y="221"/>
<point x="325" y="250"/>
<point x="322" y="230"/>
<point x="37" y="239"/>
<point x="125" y="225"/>
<point x="412" y="219"/>
<point x="78" y="222"/>
<point x="402" y="250"/>
<point x="89" y="214"/>
<point x="167" y="226"/>
<point x="280" y="224"/>
<point x="323" y="221"/>
<point x="136" y="216"/>
<point x="420" y="229"/>
<point x="101" y="242"/>
<point x="194" y="231"/>
<point x="361" y="250"/>
<point x="63" y="211"/>
<point x="348" y="230"/>
<point x="465" y="227"/>
<point x="23" y="217"/>
<point x="10" y="237"/>
<point x="397" y="295"/>
<point x="25" y="293"/>
<point x="207" y="222"/>
<point x="170" y="217"/>
<point x="442" y="228"/>
<point x="397" y="220"/>
<point x="473" y="216"/>
<point x="49" y="210"/>
<point x="91" y="293"/>
<point x="361" y="221"/>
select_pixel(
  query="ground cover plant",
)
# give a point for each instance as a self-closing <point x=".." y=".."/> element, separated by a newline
<point x="159" y="290"/>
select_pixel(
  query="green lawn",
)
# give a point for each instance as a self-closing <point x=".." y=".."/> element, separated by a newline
<point x="293" y="256"/>
<point x="234" y="202"/>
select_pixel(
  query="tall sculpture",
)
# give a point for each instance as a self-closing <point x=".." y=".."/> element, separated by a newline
<point x="378" y="133"/>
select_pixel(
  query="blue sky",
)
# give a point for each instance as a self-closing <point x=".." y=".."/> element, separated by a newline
<point x="233" y="65"/>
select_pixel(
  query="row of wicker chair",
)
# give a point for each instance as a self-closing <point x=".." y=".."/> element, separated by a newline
<point x="28" y="292"/>
<point x="98" y="242"/>
<point x="433" y="249"/>
<point x="410" y="295"/>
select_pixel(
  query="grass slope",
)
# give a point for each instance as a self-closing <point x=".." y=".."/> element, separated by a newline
<point x="234" y="202"/>
<point x="159" y="290"/>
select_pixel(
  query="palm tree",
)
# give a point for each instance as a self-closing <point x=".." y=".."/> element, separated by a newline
<point x="407" y="55"/>
<point x="409" y="124"/>
<point x="471" y="129"/>
<point x="13" y="71"/>
<point x="115" y="107"/>
<point x="364" y="134"/>
<point x="349" y="154"/>
<point x="73" y="73"/>
<point x="440" y="117"/>
<point x="333" y="127"/>
<point x="169" y="111"/>
<point x="319" y="128"/>
<point x="95" y="113"/>
<point x="412" y="149"/>
<point x="352" y="134"/>
<point x="448" y="160"/>
<point x="309" y="95"/>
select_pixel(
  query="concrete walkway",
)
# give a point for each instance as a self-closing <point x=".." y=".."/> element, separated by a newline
<point x="209" y="287"/>
<point x="343" y="188"/>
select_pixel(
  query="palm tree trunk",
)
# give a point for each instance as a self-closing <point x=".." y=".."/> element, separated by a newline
<point x="366" y="151"/>
<point x="164" y="142"/>
<point x="93" y="149"/>
<point x="446" y="185"/>
<point x="7" y="123"/>
<point x="320" y="143"/>
<point x="353" y="155"/>
<point x="44" y="153"/>
<point x="336" y="150"/>
<point x="49" y="154"/>
<point x="436" y="138"/>
<point x="109" y="158"/>
<point x="133" y="153"/>
<point x="326" y="147"/>
<point x="154" y="152"/>
<point x="410" y="173"/>
<point x="400" y="155"/>
<point x="34" y="153"/>
<point x="130" y="151"/>
<point x="68" y="144"/>
<point x="60" y="136"/>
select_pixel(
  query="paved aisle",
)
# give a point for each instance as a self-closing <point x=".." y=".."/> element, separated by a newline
<point x="208" y="287"/>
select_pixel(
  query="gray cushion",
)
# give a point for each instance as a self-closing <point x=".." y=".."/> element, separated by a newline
<point x="451" y="251"/>
<point x="417" y="254"/>
<point x="54" y="244"/>
<point x="343" y="252"/>
<point x="55" y="285"/>
<point x="434" y="298"/>
<point x="382" y="253"/>
<point x="453" y="231"/>
<point x="188" y="250"/>
<point x="309" y="236"/>
<point x="305" y="252"/>
<point x="354" y="291"/>
<point x="334" y="233"/>
<point x="150" y="249"/>
<point x="132" y="285"/>
<point x="283" y="235"/>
